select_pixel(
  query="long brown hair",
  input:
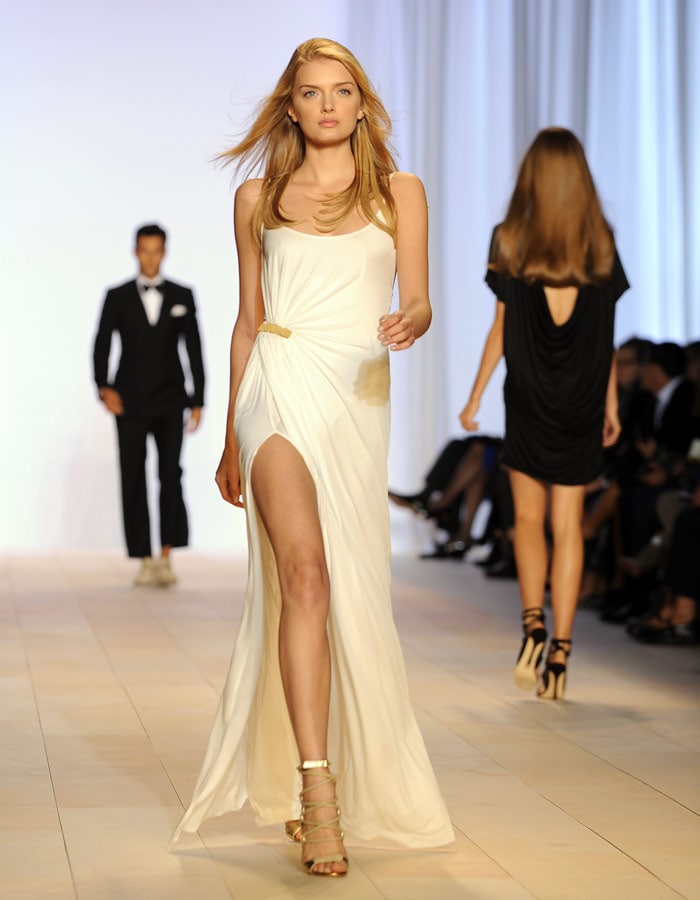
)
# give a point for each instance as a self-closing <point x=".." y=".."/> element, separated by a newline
<point x="276" y="145"/>
<point x="554" y="230"/>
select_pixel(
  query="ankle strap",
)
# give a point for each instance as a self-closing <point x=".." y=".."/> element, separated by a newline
<point x="313" y="764"/>
<point x="532" y="614"/>
<point x="558" y="645"/>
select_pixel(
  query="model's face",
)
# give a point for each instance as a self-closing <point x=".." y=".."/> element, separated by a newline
<point x="150" y="250"/>
<point x="326" y="101"/>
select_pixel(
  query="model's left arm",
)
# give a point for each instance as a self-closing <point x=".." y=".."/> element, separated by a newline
<point x="399" y="330"/>
<point x="193" y="344"/>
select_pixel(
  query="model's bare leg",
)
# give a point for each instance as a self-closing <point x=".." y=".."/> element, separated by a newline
<point x="285" y="497"/>
<point x="567" y="558"/>
<point x="530" y="501"/>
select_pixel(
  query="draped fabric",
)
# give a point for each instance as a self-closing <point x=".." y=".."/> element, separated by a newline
<point x="557" y="377"/>
<point x="318" y="378"/>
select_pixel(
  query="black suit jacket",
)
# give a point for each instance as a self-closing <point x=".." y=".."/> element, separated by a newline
<point x="150" y="378"/>
<point x="675" y="430"/>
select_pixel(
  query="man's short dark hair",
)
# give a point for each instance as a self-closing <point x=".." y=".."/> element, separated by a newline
<point x="151" y="230"/>
<point x="692" y="351"/>
<point x="668" y="356"/>
<point x="639" y="346"/>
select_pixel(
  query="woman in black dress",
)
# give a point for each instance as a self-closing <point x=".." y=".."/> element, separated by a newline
<point x="556" y="275"/>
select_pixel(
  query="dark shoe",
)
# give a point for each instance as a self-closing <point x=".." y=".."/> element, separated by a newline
<point x="649" y="629"/>
<point x="415" y="502"/>
<point x="621" y="605"/>
<point x="496" y="555"/>
<point x="554" y="676"/>
<point x="684" y="634"/>
<point x="450" y="550"/>
<point x="649" y="559"/>
<point x="591" y="601"/>
<point x="504" y="568"/>
<point x="532" y="648"/>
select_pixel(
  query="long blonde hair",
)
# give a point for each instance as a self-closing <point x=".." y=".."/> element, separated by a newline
<point x="276" y="145"/>
<point x="554" y="230"/>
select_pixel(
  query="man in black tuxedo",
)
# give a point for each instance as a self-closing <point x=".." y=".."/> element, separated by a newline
<point x="147" y="396"/>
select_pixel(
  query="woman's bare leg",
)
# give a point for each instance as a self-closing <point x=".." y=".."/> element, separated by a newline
<point x="530" y="501"/>
<point x="285" y="497"/>
<point x="567" y="558"/>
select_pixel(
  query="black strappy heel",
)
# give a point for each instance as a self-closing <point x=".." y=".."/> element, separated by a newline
<point x="554" y="675"/>
<point x="530" y="656"/>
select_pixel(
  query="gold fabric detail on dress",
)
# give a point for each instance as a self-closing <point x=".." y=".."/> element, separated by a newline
<point x="274" y="329"/>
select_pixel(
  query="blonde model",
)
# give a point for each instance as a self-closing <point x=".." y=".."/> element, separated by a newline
<point x="317" y="669"/>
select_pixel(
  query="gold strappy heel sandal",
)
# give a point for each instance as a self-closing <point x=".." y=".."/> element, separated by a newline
<point x="310" y="828"/>
<point x="292" y="828"/>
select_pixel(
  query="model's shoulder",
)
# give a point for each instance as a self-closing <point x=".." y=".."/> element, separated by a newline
<point x="406" y="184"/>
<point x="247" y="194"/>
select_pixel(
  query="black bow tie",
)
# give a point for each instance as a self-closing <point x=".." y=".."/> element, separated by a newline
<point x="148" y="287"/>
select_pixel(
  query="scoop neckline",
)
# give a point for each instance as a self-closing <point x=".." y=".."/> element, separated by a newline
<point x="324" y="236"/>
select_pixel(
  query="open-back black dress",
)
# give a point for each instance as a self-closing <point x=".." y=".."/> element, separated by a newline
<point x="557" y="377"/>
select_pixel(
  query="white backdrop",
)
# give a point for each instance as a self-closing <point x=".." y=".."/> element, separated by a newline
<point x="112" y="113"/>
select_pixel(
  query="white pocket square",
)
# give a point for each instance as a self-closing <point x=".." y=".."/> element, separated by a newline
<point x="178" y="310"/>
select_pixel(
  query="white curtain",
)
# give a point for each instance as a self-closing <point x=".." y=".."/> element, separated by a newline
<point x="469" y="83"/>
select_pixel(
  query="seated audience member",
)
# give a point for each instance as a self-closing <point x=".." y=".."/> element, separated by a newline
<point x="600" y="525"/>
<point x="675" y="620"/>
<point x="649" y="477"/>
<point x="437" y="478"/>
<point x="673" y="501"/>
<point x="666" y="433"/>
<point x="500" y="563"/>
<point x="453" y="489"/>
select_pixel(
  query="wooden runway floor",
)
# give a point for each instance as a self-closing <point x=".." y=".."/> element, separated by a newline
<point x="107" y="694"/>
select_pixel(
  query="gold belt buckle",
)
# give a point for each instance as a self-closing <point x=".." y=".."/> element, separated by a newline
<point x="272" y="328"/>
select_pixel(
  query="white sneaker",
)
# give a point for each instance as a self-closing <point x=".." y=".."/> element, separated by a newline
<point x="164" y="573"/>
<point x="147" y="574"/>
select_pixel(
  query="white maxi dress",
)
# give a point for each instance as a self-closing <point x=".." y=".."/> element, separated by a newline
<point x="318" y="376"/>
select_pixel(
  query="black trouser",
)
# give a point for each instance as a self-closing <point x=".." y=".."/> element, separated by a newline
<point x="133" y="432"/>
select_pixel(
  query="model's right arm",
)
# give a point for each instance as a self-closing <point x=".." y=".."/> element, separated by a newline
<point x="250" y="315"/>
<point x="493" y="351"/>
